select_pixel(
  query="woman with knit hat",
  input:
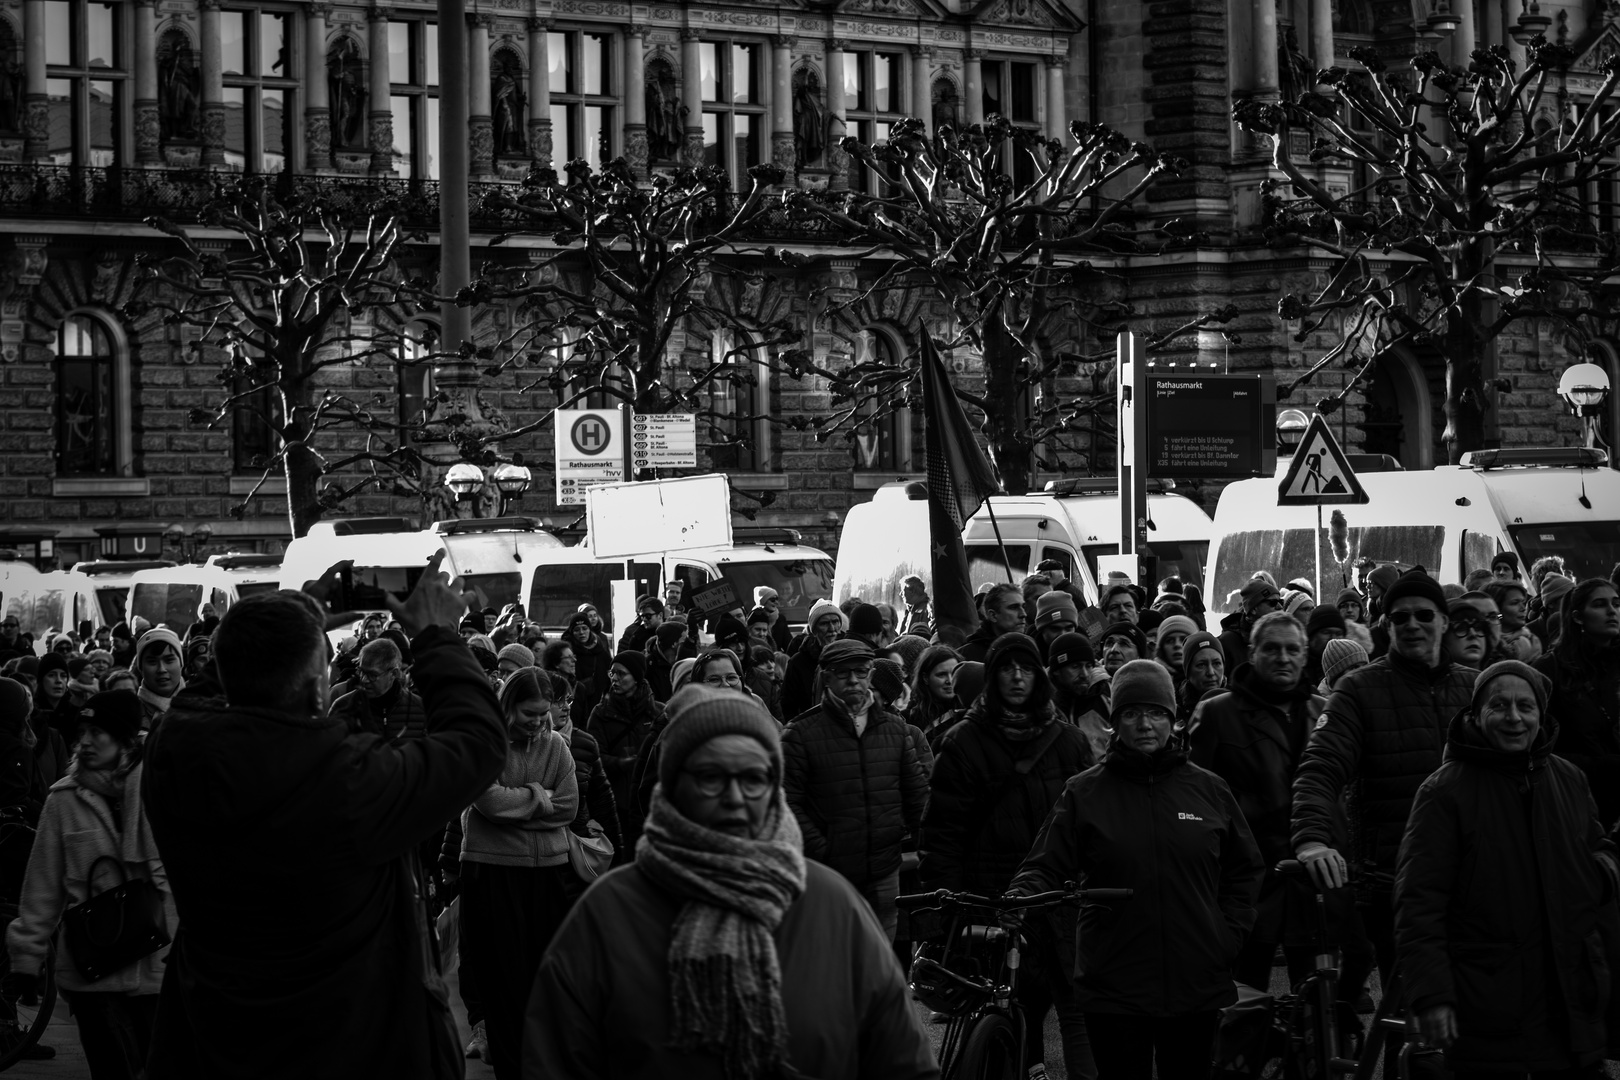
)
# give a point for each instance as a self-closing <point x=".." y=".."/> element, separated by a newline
<point x="1204" y="662"/>
<point x="1154" y="971"/>
<point x="1340" y="658"/>
<point x="622" y="721"/>
<point x="592" y="658"/>
<point x="93" y="835"/>
<point x="723" y="953"/>
<point x="1171" y="644"/>
<point x="514" y="864"/>
<point x="1583" y="669"/>
<point x="158" y="663"/>
<point x="1504" y="894"/>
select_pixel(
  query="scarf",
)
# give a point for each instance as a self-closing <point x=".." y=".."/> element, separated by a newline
<point x="725" y="982"/>
<point x="158" y="701"/>
<point x="108" y="783"/>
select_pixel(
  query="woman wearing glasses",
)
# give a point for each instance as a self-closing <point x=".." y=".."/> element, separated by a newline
<point x="1468" y="635"/>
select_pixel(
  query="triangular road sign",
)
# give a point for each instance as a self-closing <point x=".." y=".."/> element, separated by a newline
<point x="1320" y="474"/>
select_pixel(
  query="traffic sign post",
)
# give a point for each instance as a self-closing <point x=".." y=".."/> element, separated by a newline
<point x="663" y="441"/>
<point x="1320" y="475"/>
<point x="1207" y="426"/>
<point x="590" y="450"/>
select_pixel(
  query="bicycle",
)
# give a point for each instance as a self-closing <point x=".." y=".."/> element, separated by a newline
<point x="25" y="1006"/>
<point x="985" y="1028"/>
<point x="1312" y="1035"/>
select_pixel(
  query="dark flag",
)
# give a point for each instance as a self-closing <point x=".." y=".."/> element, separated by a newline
<point x="959" y="480"/>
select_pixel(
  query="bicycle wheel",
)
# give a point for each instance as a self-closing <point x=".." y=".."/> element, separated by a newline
<point x="991" y="1052"/>
<point x="24" y="1012"/>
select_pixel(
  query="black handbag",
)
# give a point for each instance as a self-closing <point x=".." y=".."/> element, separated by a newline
<point x="114" y="929"/>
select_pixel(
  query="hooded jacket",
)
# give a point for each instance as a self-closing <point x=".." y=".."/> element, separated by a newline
<point x="621" y="725"/>
<point x="1171" y="832"/>
<point x="1588" y="710"/>
<point x="799" y="682"/>
<point x="1497" y="895"/>
<point x="247" y="803"/>
<point x="978" y="643"/>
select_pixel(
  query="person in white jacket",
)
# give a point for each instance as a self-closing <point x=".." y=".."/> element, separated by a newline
<point x="514" y="865"/>
<point x="93" y="835"/>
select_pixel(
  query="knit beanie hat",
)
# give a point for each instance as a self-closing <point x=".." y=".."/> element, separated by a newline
<point x="669" y="633"/>
<point x="888" y="679"/>
<point x="1415" y="582"/>
<point x="866" y="619"/>
<point x="681" y="672"/>
<point x="401" y="642"/>
<point x="824" y="607"/>
<point x="1177" y="624"/>
<point x="635" y="662"/>
<point x="54" y="661"/>
<point x="15" y="702"/>
<point x="1070" y="648"/>
<point x="1509" y="559"/>
<point x="1340" y="657"/>
<point x="759" y="615"/>
<point x="845" y="651"/>
<point x="1056" y="606"/>
<point x="156" y="635"/>
<point x="1133" y="632"/>
<point x="1350" y="596"/>
<point x="1294" y="599"/>
<point x="1323" y="618"/>
<point x="1553" y="588"/>
<point x="910" y="647"/>
<point x="1007" y="646"/>
<point x="1258" y="591"/>
<point x="1385" y="576"/>
<point x="763" y="593"/>
<point x="520" y="653"/>
<point x="730" y="630"/>
<point x="580" y="616"/>
<point x="699" y="713"/>
<point x="1142" y="682"/>
<point x="1198" y="642"/>
<point x="121" y="629"/>
<point x="1538" y="682"/>
<point x="969" y="681"/>
<point x="117" y="712"/>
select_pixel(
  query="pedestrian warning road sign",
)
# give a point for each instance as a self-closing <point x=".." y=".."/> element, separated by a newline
<point x="1320" y="474"/>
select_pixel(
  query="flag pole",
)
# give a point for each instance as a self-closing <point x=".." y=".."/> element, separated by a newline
<point x="1006" y="560"/>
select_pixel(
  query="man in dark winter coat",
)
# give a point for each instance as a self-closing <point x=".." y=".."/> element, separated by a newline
<point x="1259" y="598"/>
<point x="853" y="779"/>
<point x="1003" y="614"/>
<point x="382" y="706"/>
<point x="1381" y="735"/>
<point x="637" y="637"/>
<point x="1504" y="894"/>
<point x="799" y="683"/>
<point x="1252" y="736"/>
<point x="267" y="793"/>
<point x="626" y="717"/>
<point x="996" y="775"/>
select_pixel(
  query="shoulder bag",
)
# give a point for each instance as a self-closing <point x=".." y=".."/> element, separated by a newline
<point x="114" y="929"/>
<point x="590" y="855"/>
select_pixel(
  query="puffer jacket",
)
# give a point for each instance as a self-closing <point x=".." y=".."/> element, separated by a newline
<point x="596" y="802"/>
<point x="76" y="829"/>
<point x="983" y="816"/>
<point x="1587" y="704"/>
<point x="799" y="681"/>
<point x="856" y="796"/>
<point x="398" y="715"/>
<point x="621" y="725"/>
<point x="1497" y="893"/>
<point x="1173" y="834"/>
<point x="1383" y="732"/>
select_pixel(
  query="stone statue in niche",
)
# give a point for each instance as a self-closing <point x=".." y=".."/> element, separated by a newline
<point x="664" y="122"/>
<point x="506" y="94"/>
<point x="1294" y="73"/>
<point x="179" y="88"/>
<point x="809" y="116"/>
<point x="346" y="90"/>
<point x="947" y="103"/>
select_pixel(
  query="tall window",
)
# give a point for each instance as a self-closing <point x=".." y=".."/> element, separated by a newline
<point x="87" y="81"/>
<point x="733" y="107"/>
<point x="738" y="407"/>
<point x="872" y="82"/>
<point x="253" y="438"/>
<point x="1010" y="88"/>
<point x="582" y="101"/>
<point x="413" y="64"/>
<point x="882" y="442"/>
<point x="256" y="55"/>
<point x="417" y="342"/>
<point x="86" y="414"/>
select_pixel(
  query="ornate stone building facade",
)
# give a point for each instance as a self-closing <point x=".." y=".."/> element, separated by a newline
<point x="114" y="110"/>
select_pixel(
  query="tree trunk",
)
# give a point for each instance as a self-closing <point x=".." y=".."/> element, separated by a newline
<point x="1010" y="445"/>
<point x="303" y="487"/>
<point x="1464" y="347"/>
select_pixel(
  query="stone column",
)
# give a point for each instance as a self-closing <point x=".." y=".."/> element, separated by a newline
<point x="213" y="86"/>
<point x="36" y="100"/>
<point x="540" y="91"/>
<point x="1511" y="10"/>
<point x="480" y="125"/>
<point x="1322" y="33"/>
<point x="973" y="87"/>
<point x="922" y="86"/>
<point x="379" y="117"/>
<point x="837" y="117"/>
<point x="146" y="98"/>
<point x="782" y="151"/>
<point x="1263" y="33"/>
<point x="635" y="98"/>
<point x="1464" y="39"/>
<point x="692" y="96"/>
<point x="1057" y="120"/>
<point x="317" y="107"/>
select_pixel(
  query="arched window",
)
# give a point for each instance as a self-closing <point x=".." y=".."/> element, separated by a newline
<point x="882" y="442"/>
<point x="417" y="342"/>
<point x="739" y="406"/>
<point x="87" y="405"/>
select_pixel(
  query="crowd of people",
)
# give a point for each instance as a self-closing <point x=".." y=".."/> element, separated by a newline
<point x="677" y="850"/>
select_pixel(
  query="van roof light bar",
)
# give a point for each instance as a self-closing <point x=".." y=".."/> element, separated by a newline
<point x="361" y="526"/>
<point x="1101" y="485"/>
<point x="470" y="526"/>
<point x="1584" y="457"/>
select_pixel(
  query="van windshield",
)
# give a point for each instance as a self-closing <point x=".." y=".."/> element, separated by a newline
<point x="987" y="567"/>
<point x="1287" y="554"/>
<point x="110" y="599"/>
<point x="173" y="604"/>
<point x="38" y="610"/>
<point x="1183" y="559"/>
<point x="372" y="584"/>
<point x="1588" y="548"/>
<point x="559" y="589"/>
<point x="798" y="582"/>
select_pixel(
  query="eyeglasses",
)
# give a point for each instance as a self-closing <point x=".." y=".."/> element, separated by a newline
<point x="717" y="679"/>
<point x="1401" y="618"/>
<point x="1469" y="627"/>
<point x="1018" y="668"/>
<point x="713" y="783"/>
<point x="372" y="676"/>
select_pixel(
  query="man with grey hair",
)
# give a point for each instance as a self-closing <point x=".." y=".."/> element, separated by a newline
<point x="1003" y="614"/>
<point x="383" y="705"/>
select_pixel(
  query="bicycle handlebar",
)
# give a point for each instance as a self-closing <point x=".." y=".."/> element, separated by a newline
<point x="941" y="898"/>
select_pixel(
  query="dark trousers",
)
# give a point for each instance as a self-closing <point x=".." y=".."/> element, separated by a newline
<point x="879" y="896"/>
<point x="1040" y="989"/>
<point x="115" y="1031"/>
<point x="509" y="915"/>
<point x="1131" y="1047"/>
<point x="1253" y="967"/>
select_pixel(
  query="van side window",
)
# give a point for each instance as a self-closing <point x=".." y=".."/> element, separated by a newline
<point x="695" y="577"/>
<point x="1060" y="555"/>
<point x="985" y="564"/>
<point x="1478" y="549"/>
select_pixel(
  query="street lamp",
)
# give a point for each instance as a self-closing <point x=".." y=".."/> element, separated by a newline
<point x="1291" y="425"/>
<point x="464" y="480"/>
<point x="1531" y="23"/>
<point x="511" y="481"/>
<point x="1585" y="387"/>
<point x="199" y="537"/>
